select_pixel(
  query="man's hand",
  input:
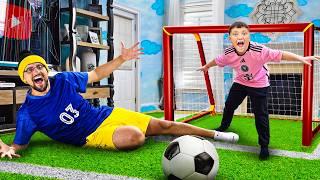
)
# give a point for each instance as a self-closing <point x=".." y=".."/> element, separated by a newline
<point x="3" y="147"/>
<point x="9" y="152"/>
<point x="106" y="69"/>
<point x="306" y="59"/>
<point x="131" y="53"/>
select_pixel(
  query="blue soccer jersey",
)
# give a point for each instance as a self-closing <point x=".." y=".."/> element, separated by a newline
<point x="62" y="114"/>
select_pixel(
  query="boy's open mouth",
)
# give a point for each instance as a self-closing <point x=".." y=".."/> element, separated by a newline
<point x="240" y="43"/>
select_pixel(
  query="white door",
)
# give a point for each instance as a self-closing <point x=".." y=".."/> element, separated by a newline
<point x="126" y="77"/>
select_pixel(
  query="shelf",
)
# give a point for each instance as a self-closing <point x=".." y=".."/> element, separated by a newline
<point x="7" y="128"/>
<point x="14" y="73"/>
<point x="98" y="46"/>
<point x="8" y="73"/>
<point x="85" y="13"/>
<point x="87" y="44"/>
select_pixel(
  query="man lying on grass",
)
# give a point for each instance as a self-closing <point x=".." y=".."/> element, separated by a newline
<point x="54" y="107"/>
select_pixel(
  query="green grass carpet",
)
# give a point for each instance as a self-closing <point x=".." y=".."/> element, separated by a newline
<point x="284" y="134"/>
<point x="145" y="162"/>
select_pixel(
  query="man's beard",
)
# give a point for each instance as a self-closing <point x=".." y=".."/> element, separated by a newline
<point x="41" y="89"/>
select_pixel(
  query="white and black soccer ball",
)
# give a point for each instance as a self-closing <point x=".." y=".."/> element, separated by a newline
<point x="190" y="158"/>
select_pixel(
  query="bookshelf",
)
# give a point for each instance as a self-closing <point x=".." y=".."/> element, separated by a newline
<point x="95" y="18"/>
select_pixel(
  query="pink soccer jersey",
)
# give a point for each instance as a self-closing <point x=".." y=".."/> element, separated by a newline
<point x="251" y="69"/>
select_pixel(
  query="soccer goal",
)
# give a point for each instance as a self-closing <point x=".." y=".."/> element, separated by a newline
<point x="189" y="94"/>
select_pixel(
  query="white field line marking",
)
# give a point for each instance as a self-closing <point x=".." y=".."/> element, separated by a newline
<point x="276" y="152"/>
<point x="54" y="172"/>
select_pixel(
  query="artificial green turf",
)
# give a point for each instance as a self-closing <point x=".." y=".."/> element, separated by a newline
<point x="284" y="134"/>
<point x="14" y="176"/>
<point x="145" y="162"/>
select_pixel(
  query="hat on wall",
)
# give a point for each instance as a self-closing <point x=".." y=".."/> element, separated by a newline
<point x="26" y="58"/>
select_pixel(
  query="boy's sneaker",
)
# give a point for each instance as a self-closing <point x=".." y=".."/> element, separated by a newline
<point x="264" y="153"/>
<point x="226" y="136"/>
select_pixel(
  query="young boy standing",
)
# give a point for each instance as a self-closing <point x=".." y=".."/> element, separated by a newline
<point x="249" y="60"/>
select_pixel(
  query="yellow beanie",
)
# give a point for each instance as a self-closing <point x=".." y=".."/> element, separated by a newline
<point x="30" y="60"/>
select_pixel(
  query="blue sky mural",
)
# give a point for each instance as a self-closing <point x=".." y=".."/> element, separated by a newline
<point x="316" y="22"/>
<point x="302" y="2"/>
<point x="150" y="47"/>
<point x="260" y="38"/>
<point x="158" y="6"/>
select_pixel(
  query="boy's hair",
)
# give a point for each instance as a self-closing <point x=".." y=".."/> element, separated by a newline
<point x="238" y="24"/>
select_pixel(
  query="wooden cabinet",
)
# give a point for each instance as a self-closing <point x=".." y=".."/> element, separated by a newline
<point x="9" y="96"/>
<point x="10" y="99"/>
<point x="17" y="95"/>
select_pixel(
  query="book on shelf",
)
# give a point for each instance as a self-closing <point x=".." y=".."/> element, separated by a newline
<point x="7" y="84"/>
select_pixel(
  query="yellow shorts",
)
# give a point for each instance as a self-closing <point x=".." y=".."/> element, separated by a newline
<point x="102" y="136"/>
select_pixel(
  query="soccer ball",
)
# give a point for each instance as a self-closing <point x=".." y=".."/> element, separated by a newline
<point x="190" y="158"/>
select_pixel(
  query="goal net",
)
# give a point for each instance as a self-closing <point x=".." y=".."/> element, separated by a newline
<point x="190" y="94"/>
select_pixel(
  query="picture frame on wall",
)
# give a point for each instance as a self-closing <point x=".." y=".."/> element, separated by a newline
<point x="94" y="39"/>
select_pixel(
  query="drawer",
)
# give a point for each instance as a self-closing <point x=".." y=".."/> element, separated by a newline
<point x="6" y="97"/>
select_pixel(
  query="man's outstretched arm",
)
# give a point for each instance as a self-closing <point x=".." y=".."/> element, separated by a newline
<point x="105" y="69"/>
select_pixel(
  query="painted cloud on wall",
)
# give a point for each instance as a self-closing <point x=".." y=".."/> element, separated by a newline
<point x="158" y="6"/>
<point x="260" y="38"/>
<point x="239" y="10"/>
<point x="150" y="47"/>
<point x="302" y="2"/>
<point x="316" y="22"/>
